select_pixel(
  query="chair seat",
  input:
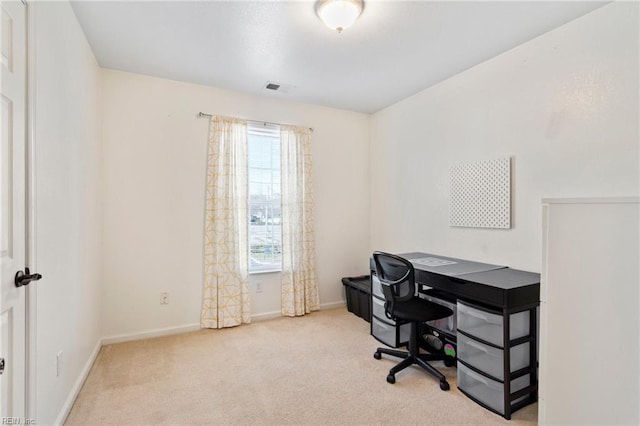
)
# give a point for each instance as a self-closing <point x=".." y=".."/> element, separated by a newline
<point x="420" y="310"/>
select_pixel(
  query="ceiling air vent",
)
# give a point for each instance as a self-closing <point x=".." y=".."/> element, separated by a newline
<point x="271" y="86"/>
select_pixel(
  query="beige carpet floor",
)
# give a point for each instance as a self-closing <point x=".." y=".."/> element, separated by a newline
<point x="312" y="370"/>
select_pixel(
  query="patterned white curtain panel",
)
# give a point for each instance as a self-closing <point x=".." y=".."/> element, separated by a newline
<point x="226" y="298"/>
<point x="299" y="286"/>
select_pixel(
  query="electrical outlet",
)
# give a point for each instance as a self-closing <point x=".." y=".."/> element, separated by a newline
<point x="258" y="286"/>
<point x="59" y="364"/>
<point x="164" y="298"/>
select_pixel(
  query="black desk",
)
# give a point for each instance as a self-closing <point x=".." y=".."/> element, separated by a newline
<point x="493" y="285"/>
<point x="497" y="290"/>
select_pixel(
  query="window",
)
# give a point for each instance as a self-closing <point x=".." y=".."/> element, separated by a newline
<point x="265" y="236"/>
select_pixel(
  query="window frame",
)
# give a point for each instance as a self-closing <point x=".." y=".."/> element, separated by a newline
<point x="272" y="204"/>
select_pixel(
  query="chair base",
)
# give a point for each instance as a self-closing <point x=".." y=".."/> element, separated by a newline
<point x="413" y="356"/>
<point x="409" y="360"/>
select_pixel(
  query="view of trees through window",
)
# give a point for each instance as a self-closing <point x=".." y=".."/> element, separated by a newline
<point x="265" y="236"/>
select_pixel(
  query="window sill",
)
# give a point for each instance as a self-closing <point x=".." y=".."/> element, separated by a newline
<point x="266" y="271"/>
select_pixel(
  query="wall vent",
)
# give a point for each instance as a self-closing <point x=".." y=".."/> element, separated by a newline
<point x="272" y="86"/>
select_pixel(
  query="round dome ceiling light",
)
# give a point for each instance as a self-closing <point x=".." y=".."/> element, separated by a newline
<point x="339" y="14"/>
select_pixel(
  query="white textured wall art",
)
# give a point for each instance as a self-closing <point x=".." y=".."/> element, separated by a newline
<point x="481" y="194"/>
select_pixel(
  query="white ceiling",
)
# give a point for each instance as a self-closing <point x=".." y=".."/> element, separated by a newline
<point x="394" y="49"/>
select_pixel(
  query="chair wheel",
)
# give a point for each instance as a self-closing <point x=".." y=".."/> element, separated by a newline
<point x="391" y="379"/>
<point x="444" y="386"/>
<point x="449" y="362"/>
<point x="377" y="355"/>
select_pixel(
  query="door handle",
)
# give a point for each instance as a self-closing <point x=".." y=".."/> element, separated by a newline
<point x="24" y="278"/>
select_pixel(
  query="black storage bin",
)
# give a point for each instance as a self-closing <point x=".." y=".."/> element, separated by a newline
<point x="358" y="291"/>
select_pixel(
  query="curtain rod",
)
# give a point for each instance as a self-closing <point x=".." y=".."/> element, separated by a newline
<point x="202" y="114"/>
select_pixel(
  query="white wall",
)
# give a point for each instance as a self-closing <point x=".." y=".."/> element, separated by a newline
<point x="564" y="106"/>
<point x="601" y="234"/>
<point x="154" y="151"/>
<point x="68" y="215"/>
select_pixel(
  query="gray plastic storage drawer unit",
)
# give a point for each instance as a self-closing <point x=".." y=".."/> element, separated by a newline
<point x="385" y="329"/>
<point x="490" y="359"/>
<point x="390" y="334"/>
<point x="488" y="326"/>
<point x="376" y="287"/>
<point x="482" y="356"/>
<point x="487" y="391"/>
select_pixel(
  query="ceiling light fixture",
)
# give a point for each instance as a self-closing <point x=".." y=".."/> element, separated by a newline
<point x="339" y="14"/>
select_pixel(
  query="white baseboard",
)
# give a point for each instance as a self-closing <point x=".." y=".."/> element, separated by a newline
<point x="333" y="305"/>
<point x="75" y="390"/>
<point x="156" y="332"/>
<point x="266" y="315"/>
<point x="277" y="314"/>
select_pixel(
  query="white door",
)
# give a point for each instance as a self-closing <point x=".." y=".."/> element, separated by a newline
<point x="12" y="214"/>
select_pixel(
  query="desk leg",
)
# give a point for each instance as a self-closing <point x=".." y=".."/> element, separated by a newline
<point x="506" y="339"/>
<point x="533" y="352"/>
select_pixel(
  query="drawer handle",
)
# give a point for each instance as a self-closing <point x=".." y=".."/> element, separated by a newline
<point x="477" y="315"/>
<point x="478" y="378"/>
<point x="482" y="317"/>
<point x="477" y="346"/>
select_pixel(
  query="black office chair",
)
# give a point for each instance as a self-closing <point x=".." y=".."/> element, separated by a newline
<point x="402" y="305"/>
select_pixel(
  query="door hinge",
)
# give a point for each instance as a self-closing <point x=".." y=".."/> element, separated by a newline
<point x="1" y="365"/>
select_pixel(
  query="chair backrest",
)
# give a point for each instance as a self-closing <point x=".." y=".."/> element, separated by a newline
<point x="397" y="276"/>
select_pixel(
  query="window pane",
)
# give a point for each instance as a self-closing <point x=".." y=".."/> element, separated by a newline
<point x="259" y="191"/>
<point x="265" y="236"/>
